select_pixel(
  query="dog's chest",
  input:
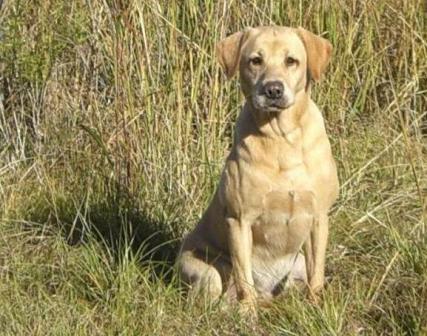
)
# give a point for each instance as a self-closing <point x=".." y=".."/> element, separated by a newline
<point x="284" y="222"/>
<point x="288" y="153"/>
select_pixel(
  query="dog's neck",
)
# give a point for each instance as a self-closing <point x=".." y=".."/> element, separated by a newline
<point x="282" y="123"/>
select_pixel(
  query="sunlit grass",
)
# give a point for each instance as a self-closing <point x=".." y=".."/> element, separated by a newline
<point x="114" y="123"/>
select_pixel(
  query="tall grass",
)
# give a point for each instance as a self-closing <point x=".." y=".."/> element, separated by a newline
<point x="114" y="123"/>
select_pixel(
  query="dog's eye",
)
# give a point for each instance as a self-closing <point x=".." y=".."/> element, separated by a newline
<point x="256" y="60"/>
<point x="291" y="61"/>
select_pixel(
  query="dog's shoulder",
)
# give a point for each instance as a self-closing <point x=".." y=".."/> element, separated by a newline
<point x="313" y="126"/>
<point x="244" y="125"/>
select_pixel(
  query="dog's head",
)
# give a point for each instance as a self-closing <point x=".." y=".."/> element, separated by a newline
<point x="275" y="63"/>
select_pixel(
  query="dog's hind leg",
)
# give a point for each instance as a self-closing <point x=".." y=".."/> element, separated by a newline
<point x="201" y="277"/>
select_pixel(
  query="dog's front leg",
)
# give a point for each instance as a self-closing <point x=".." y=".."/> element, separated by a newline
<point x="309" y="257"/>
<point x="316" y="254"/>
<point x="240" y="247"/>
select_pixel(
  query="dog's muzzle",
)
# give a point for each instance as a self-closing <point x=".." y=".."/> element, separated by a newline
<point x="272" y="97"/>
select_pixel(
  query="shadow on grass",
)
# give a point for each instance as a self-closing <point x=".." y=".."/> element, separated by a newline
<point x="119" y="225"/>
<point x="122" y="226"/>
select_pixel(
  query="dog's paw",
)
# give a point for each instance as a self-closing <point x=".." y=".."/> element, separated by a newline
<point x="314" y="294"/>
<point x="248" y="310"/>
<point x="248" y="302"/>
<point x="313" y="298"/>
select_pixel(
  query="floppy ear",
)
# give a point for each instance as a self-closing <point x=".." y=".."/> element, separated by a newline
<point x="319" y="52"/>
<point x="228" y="52"/>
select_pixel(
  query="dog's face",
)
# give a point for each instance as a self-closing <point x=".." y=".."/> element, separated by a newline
<point x="272" y="68"/>
<point x="274" y="63"/>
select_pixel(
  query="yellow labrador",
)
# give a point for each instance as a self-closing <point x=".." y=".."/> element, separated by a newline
<point x="279" y="180"/>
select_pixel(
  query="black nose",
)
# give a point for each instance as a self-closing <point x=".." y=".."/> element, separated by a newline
<point x="273" y="89"/>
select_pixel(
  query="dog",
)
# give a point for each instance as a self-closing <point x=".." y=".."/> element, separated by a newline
<point x="279" y="180"/>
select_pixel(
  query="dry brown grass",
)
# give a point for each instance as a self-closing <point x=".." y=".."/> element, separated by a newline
<point x="114" y="122"/>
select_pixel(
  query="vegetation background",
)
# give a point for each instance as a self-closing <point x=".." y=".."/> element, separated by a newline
<point x="114" y="123"/>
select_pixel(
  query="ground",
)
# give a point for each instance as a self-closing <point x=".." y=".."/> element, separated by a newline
<point x="114" y="122"/>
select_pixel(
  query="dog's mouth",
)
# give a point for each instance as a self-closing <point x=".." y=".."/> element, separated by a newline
<point x="271" y="105"/>
<point x="275" y="106"/>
